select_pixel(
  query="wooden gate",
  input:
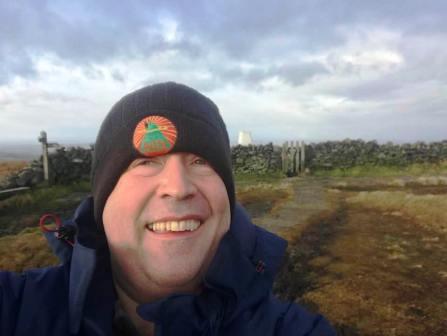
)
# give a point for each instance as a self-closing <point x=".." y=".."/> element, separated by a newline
<point x="293" y="158"/>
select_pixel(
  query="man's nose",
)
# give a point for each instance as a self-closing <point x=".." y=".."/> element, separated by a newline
<point x="175" y="181"/>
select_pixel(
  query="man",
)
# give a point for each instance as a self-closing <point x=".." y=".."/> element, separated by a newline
<point x="161" y="246"/>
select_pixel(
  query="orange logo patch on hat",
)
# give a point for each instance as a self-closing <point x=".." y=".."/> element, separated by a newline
<point x="154" y="136"/>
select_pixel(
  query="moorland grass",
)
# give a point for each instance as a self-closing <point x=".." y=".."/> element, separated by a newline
<point x="41" y="196"/>
<point x="416" y="169"/>
<point x="24" y="210"/>
<point x="243" y="179"/>
<point x="25" y="250"/>
<point x="10" y="167"/>
<point x="429" y="210"/>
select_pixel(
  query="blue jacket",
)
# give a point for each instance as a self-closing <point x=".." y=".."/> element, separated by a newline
<point x="78" y="297"/>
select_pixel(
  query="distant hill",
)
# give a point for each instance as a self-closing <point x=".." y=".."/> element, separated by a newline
<point x="26" y="151"/>
<point x="19" y="151"/>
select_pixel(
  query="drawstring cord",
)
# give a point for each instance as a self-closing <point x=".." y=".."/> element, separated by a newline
<point x="65" y="233"/>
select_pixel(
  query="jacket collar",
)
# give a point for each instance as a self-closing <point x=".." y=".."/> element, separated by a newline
<point x="91" y="288"/>
<point x="240" y="275"/>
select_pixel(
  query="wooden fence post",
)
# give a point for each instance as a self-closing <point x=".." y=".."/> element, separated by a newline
<point x="45" y="145"/>
<point x="296" y="165"/>
<point x="43" y="140"/>
<point x="284" y="157"/>
<point x="302" y="157"/>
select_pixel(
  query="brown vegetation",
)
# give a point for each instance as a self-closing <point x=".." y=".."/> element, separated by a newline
<point x="425" y="210"/>
<point x="10" y="167"/>
<point x="263" y="198"/>
<point x="28" y="249"/>
<point x="382" y="275"/>
<point x="376" y="264"/>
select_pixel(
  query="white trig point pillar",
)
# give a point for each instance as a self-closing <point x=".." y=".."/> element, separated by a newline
<point x="245" y="138"/>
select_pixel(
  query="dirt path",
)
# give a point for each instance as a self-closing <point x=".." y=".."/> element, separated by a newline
<point x="308" y="199"/>
<point x="370" y="271"/>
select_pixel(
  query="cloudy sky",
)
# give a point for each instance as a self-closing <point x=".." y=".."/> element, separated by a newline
<point x="283" y="70"/>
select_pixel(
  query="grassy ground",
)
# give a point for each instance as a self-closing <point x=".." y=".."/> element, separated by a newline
<point x="384" y="171"/>
<point x="375" y="263"/>
<point x="26" y="250"/>
<point x="381" y="275"/>
<point x="242" y="180"/>
<point x="261" y="194"/>
<point x="24" y="210"/>
<point x="373" y="259"/>
<point x="22" y="244"/>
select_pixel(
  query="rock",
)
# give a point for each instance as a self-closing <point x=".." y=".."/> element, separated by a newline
<point x="7" y="183"/>
<point x="24" y="177"/>
<point x="37" y="176"/>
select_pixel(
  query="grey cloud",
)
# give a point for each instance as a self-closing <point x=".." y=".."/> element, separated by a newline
<point x="378" y="89"/>
<point x="32" y="97"/>
<point x="10" y="66"/>
<point x="118" y="76"/>
<point x="423" y="68"/>
<point x="384" y="123"/>
<point x="294" y="74"/>
<point x="298" y="74"/>
<point x="245" y="29"/>
<point x="83" y="36"/>
<point x="87" y="32"/>
<point x="241" y="28"/>
<point x="235" y="74"/>
<point x="425" y="57"/>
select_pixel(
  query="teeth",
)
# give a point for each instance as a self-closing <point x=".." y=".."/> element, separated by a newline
<point x="174" y="226"/>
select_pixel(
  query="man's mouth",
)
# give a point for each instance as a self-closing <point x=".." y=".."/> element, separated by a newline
<point x="174" y="226"/>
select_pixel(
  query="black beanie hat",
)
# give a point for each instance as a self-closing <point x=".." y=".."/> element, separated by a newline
<point x="155" y="120"/>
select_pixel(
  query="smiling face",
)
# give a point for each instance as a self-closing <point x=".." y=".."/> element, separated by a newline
<point x="163" y="222"/>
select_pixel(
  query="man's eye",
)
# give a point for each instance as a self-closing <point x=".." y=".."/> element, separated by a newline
<point x="200" y="161"/>
<point x="148" y="162"/>
<point x="201" y="166"/>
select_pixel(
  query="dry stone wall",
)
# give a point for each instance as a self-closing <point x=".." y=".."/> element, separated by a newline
<point x="66" y="165"/>
<point x="340" y="154"/>
<point x="72" y="164"/>
<point x="350" y="153"/>
<point x="258" y="159"/>
<point x="69" y="165"/>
